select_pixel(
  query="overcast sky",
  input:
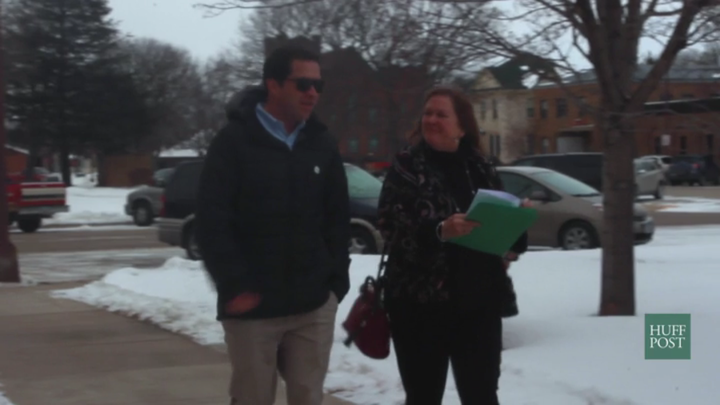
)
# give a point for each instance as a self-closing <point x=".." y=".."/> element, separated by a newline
<point x="177" y="22"/>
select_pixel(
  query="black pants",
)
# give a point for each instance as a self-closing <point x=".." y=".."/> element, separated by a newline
<point x="429" y="338"/>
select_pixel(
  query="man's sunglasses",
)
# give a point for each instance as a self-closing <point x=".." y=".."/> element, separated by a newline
<point x="304" y="84"/>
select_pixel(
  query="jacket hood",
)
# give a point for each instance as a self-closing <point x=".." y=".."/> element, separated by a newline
<point x="244" y="101"/>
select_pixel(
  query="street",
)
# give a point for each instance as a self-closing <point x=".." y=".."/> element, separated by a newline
<point x="71" y="254"/>
<point x="81" y="239"/>
<point x="58" y="254"/>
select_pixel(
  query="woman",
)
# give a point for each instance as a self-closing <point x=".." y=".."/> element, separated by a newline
<point x="444" y="301"/>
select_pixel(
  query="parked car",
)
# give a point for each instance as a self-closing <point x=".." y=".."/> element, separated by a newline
<point x="178" y="203"/>
<point x="649" y="178"/>
<point x="693" y="169"/>
<point x="32" y="200"/>
<point x="143" y="204"/>
<point x="570" y="211"/>
<point x="664" y="161"/>
<point x="587" y="167"/>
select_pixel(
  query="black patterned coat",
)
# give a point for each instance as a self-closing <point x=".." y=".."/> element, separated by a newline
<point x="413" y="201"/>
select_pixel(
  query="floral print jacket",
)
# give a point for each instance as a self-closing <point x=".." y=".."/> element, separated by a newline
<point x="412" y="203"/>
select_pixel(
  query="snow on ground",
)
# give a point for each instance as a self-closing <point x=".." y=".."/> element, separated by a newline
<point x="4" y="400"/>
<point x="93" y="205"/>
<point x="689" y="204"/>
<point x="557" y="353"/>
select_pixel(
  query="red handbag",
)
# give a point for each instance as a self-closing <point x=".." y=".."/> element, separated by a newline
<point x="367" y="323"/>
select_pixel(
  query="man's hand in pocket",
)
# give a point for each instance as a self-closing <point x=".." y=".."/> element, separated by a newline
<point x="243" y="303"/>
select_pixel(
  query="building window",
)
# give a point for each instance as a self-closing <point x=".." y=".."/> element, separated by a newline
<point x="494" y="109"/>
<point x="353" y="145"/>
<point x="483" y="110"/>
<point x="530" y="106"/>
<point x="683" y="145"/>
<point x="543" y="108"/>
<point x="561" y="107"/>
<point x="545" y="148"/>
<point x="710" y="141"/>
<point x="373" y="144"/>
<point x="372" y="115"/>
<point x="658" y="145"/>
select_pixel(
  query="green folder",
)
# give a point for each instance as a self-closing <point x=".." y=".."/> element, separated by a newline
<point x="502" y="221"/>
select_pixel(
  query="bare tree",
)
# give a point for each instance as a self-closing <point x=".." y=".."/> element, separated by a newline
<point x="708" y="56"/>
<point x="388" y="35"/>
<point x="606" y="34"/>
<point x="219" y="82"/>
<point x="399" y="33"/>
<point x="169" y="82"/>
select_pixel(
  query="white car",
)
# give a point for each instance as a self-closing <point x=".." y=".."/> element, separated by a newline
<point x="664" y="161"/>
<point x="649" y="178"/>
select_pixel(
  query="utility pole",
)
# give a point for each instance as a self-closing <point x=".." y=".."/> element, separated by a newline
<point x="9" y="269"/>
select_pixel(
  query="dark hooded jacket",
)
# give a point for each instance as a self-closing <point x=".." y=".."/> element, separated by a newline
<point x="271" y="220"/>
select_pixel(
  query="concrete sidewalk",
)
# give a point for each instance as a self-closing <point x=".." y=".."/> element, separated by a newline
<point x="61" y="352"/>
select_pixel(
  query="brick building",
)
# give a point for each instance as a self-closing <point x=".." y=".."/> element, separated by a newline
<point x="562" y="117"/>
<point x="547" y="118"/>
<point x="369" y="110"/>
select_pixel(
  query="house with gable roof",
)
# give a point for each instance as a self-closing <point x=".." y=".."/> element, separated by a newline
<point x="505" y="107"/>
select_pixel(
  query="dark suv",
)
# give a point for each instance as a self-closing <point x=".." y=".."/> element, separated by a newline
<point x="175" y="226"/>
<point x="586" y="167"/>
<point x="693" y="169"/>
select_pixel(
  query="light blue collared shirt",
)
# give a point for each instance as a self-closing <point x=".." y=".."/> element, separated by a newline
<point x="276" y="128"/>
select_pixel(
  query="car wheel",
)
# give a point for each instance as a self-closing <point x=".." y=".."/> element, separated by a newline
<point x="192" y="250"/>
<point x="142" y="214"/>
<point x="578" y="235"/>
<point x="29" y="225"/>
<point x="361" y="242"/>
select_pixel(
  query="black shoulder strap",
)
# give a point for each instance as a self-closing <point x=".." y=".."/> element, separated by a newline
<point x="383" y="257"/>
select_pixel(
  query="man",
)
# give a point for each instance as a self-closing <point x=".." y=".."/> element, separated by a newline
<point x="273" y="226"/>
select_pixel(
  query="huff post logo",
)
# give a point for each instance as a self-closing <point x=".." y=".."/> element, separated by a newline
<point x="667" y="336"/>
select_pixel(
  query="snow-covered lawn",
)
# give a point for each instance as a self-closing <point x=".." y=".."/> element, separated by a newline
<point x="557" y="352"/>
<point x="93" y="205"/>
<point x="688" y="204"/>
<point x="4" y="400"/>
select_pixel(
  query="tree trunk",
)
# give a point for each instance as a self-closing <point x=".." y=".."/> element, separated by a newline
<point x="618" y="278"/>
<point x="9" y="269"/>
<point x="65" y="164"/>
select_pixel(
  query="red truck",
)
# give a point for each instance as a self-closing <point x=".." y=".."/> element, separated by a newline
<point x="31" y="200"/>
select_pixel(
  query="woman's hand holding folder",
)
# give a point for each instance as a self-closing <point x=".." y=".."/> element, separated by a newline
<point x="456" y="226"/>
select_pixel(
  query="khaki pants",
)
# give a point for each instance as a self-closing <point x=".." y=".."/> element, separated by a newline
<point x="298" y="347"/>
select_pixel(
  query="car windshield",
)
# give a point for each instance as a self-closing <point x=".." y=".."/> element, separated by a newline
<point x="164" y="174"/>
<point x="567" y="184"/>
<point x="362" y="184"/>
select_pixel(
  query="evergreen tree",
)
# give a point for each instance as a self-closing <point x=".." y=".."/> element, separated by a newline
<point x="65" y="90"/>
